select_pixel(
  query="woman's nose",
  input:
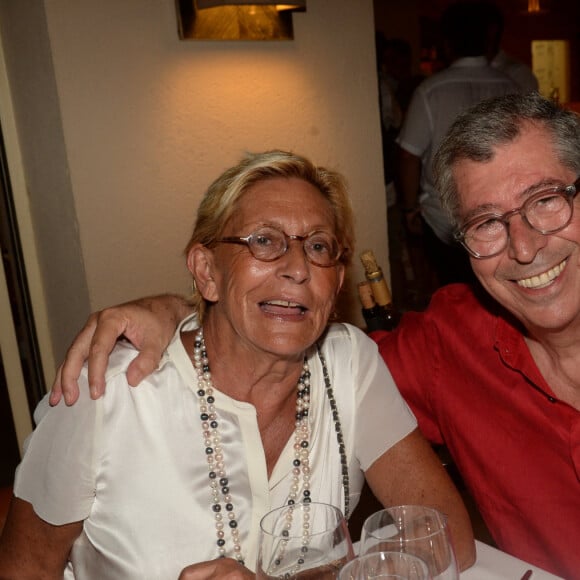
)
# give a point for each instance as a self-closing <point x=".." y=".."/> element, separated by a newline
<point x="294" y="264"/>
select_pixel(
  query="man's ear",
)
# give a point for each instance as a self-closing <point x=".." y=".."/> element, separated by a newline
<point x="200" y="263"/>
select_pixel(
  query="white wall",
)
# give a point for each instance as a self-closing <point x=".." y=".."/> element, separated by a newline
<point x="148" y="121"/>
<point x="39" y="175"/>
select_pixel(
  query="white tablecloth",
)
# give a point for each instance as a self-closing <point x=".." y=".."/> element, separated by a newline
<point x="491" y="564"/>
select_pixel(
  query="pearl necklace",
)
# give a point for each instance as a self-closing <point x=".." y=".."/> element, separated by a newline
<point x="219" y="481"/>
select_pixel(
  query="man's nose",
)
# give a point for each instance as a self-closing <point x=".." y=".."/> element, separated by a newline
<point x="524" y="242"/>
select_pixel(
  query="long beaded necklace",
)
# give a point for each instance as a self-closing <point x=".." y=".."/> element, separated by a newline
<point x="218" y="478"/>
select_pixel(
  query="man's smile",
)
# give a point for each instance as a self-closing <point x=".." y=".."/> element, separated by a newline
<point x="543" y="279"/>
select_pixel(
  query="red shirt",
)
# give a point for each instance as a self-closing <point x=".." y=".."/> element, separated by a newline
<point x="468" y="375"/>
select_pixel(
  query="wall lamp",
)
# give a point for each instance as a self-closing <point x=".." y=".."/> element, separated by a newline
<point x="237" y="19"/>
<point x="535" y="8"/>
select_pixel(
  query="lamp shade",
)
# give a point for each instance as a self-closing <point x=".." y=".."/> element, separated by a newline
<point x="237" y="19"/>
<point x="280" y="4"/>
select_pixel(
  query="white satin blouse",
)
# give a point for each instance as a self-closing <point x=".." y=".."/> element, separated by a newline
<point x="132" y="465"/>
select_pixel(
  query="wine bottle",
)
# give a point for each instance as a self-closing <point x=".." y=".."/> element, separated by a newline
<point x="370" y="310"/>
<point x="386" y="312"/>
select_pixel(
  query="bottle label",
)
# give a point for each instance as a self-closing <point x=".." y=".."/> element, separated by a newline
<point x="381" y="292"/>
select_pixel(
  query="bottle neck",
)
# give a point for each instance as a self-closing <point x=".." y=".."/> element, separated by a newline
<point x="380" y="288"/>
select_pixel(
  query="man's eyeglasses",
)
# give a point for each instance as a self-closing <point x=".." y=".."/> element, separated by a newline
<point x="269" y="243"/>
<point x="547" y="211"/>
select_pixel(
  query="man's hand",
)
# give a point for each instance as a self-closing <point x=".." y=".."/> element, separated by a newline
<point x="148" y="323"/>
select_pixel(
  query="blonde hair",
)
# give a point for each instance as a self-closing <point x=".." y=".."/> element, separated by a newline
<point x="219" y="201"/>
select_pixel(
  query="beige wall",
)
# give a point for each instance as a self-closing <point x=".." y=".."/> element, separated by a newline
<point x="123" y="126"/>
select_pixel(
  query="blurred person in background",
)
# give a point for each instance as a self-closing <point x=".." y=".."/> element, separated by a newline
<point x="435" y="104"/>
<point x="396" y="83"/>
<point x="517" y="70"/>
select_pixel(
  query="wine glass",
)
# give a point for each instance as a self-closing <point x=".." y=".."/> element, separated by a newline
<point x="384" y="566"/>
<point x="417" y="530"/>
<point x="304" y="540"/>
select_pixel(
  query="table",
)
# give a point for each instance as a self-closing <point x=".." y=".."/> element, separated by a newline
<point x="492" y="564"/>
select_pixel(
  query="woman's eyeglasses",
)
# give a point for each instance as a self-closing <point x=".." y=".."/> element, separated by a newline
<point x="269" y="243"/>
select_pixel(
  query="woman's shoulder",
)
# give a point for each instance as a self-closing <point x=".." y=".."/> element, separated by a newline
<point x="344" y="342"/>
<point x="344" y="332"/>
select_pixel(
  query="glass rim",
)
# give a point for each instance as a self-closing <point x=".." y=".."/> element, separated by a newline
<point x="440" y="516"/>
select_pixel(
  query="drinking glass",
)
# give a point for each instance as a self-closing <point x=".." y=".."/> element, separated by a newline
<point x="303" y="541"/>
<point x="385" y="566"/>
<point x="416" y="530"/>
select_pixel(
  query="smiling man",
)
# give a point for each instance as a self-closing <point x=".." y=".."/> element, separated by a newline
<point x="495" y="373"/>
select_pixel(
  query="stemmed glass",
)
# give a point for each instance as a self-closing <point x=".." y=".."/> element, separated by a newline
<point x="385" y="566"/>
<point x="303" y="541"/>
<point x="416" y="530"/>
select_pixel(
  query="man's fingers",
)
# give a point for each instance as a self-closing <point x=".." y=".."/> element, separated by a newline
<point x="92" y="343"/>
<point x="67" y="376"/>
<point x="98" y="358"/>
<point x="142" y="366"/>
<point x="110" y="325"/>
<point x="56" y="390"/>
<point x="148" y="326"/>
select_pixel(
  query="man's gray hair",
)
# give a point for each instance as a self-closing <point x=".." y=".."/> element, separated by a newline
<point x="477" y="133"/>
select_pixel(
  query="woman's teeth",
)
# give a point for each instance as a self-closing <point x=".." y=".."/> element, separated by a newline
<point x="277" y="304"/>
<point x="542" y="279"/>
<point x="284" y="303"/>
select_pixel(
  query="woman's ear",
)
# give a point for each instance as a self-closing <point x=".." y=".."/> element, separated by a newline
<point x="200" y="263"/>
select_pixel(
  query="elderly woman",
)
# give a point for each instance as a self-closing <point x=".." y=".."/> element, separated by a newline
<point x="257" y="402"/>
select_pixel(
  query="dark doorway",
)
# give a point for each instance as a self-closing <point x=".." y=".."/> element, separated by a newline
<point x="10" y="455"/>
<point x="13" y="262"/>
